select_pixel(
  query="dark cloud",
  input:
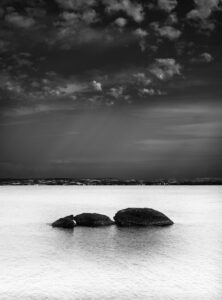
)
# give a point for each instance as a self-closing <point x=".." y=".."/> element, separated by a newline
<point x="143" y="79"/>
<point x="101" y="51"/>
<point x="76" y="4"/>
<point x="117" y="92"/>
<point x="203" y="58"/>
<point x="121" y="22"/>
<point x="168" y="32"/>
<point x="200" y="16"/>
<point x="165" y="68"/>
<point x="123" y="88"/>
<point x="167" y="5"/>
<point x="97" y="86"/>
<point x="130" y="8"/>
<point x="18" y="20"/>
<point x="141" y="34"/>
<point x="203" y="9"/>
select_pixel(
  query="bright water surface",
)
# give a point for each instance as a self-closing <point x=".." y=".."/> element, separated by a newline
<point x="183" y="261"/>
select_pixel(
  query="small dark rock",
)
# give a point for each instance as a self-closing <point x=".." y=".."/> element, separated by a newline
<point x="66" y="222"/>
<point x="92" y="220"/>
<point x="141" y="217"/>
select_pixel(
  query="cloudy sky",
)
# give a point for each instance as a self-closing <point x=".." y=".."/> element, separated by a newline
<point x="110" y="88"/>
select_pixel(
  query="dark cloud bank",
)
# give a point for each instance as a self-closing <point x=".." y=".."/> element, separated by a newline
<point x="110" y="88"/>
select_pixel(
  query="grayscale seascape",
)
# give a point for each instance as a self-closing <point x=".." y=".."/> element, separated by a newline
<point x="110" y="150"/>
<point x="179" y="262"/>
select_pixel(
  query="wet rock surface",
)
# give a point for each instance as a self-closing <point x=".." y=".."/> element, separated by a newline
<point x="141" y="217"/>
<point x="92" y="220"/>
<point x="66" y="222"/>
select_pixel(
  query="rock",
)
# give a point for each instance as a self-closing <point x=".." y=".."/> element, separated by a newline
<point x="141" y="217"/>
<point x="92" y="220"/>
<point x="66" y="222"/>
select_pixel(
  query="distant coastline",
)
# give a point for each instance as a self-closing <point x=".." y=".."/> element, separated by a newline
<point x="109" y="181"/>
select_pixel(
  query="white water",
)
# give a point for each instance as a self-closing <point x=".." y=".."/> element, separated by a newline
<point x="183" y="261"/>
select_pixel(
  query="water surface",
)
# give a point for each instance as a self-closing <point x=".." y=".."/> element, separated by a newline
<point x="182" y="261"/>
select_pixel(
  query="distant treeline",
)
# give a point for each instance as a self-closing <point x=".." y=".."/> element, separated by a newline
<point x="109" y="181"/>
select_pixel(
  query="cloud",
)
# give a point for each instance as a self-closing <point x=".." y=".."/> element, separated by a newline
<point x="77" y="12"/>
<point x="167" y="5"/>
<point x="70" y="26"/>
<point x="121" y="22"/>
<point x="132" y="9"/>
<point x="142" y="79"/>
<point x="69" y="36"/>
<point x="89" y="16"/>
<point x="10" y="84"/>
<point x="145" y="91"/>
<point x="71" y="23"/>
<point x="206" y="57"/>
<point x="165" y="68"/>
<point x="70" y="17"/>
<point x="172" y="19"/>
<point x="116" y="92"/>
<point x="150" y="92"/>
<point x="203" y="58"/>
<point x="141" y="34"/>
<point x="203" y="9"/>
<point x="200" y="16"/>
<point x="75" y="4"/>
<point x="20" y="95"/>
<point x="71" y="88"/>
<point x="168" y="32"/>
<point x="97" y="86"/>
<point x="19" y="20"/>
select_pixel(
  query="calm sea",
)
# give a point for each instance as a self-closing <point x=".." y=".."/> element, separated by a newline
<point x="38" y="262"/>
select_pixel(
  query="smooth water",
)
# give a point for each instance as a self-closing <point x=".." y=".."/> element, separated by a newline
<point x="183" y="261"/>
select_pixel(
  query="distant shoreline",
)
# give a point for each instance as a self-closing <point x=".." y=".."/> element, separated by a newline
<point x="109" y="181"/>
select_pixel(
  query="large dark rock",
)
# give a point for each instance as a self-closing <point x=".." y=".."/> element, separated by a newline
<point x="141" y="217"/>
<point x="66" y="222"/>
<point x="92" y="220"/>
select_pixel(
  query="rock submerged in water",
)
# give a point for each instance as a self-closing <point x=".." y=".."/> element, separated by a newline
<point x="66" y="222"/>
<point x="92" y="220"/>
<point x="141" y="217"/>
<point x="125" y="218"/>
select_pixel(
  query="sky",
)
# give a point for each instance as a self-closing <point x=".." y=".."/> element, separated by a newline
<point x="110" y="88"/>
